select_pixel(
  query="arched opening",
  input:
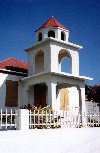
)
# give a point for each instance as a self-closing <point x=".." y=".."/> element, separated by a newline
<point x="65" y="61"/>
<point x="39" y="36"/>
<point x="39" y="62"/>
<point x="51" y="33"/>
<point x="62" y="36"/>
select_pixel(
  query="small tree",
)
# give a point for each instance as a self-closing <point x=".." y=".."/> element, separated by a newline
<point x="94" y="94"/>
<point x="87" y="89"/>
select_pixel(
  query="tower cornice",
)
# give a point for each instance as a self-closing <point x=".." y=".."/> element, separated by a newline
<point x="53" y="40"/>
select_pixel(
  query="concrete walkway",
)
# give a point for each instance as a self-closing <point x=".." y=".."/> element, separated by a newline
<point x="70" y="140"/>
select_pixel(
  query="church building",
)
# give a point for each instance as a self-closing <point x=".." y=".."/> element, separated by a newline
<point x="40" y="82"/>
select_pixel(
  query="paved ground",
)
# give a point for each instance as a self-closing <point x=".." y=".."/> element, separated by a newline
<point x="74" y="140"/>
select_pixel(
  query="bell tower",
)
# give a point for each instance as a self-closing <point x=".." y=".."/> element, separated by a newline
<point x="51" y="47"/>
<point x="45" y="79"/>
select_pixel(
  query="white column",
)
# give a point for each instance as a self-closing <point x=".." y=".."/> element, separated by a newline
<point x="52" y="101"/>
<point x="82" y="95"/>
<point x="31" y="95"/>
<point x="27" y="96"/>
<point x="75" y="63"/>
<point x="54" y="58"/>
<point x="58" y="34"/>
<point x="47" y="58"/>
<point x="22" y="120"/>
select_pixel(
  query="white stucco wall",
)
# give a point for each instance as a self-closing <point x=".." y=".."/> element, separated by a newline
<point x="31" y="58"/>
<point x="51" y="51"/>
<point x="55" y="49"/>
<point x="21" y="92"/>
<point x="73" y="97"/>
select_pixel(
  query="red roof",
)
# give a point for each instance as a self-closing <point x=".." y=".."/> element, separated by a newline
<point x="13" y="62"/>
<point x="52" y="22"/>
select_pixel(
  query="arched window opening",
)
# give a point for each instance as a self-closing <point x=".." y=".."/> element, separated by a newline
<point x="62" y="36"/>
<point x="65" y="65"/>
<point x="51" y="33"/>
<point x="65" y="62"/>
<point x="39" y="62"/>
<point x="39" y="36"/>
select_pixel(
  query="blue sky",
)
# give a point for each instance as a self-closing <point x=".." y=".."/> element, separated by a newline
<point x="20" y="18"/>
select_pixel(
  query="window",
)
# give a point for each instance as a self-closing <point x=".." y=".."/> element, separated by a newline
<point x="11" y="93"/>
<point x="62" y="36"/>
<point x="51" y="33"/>
<point x="39" y="36"/>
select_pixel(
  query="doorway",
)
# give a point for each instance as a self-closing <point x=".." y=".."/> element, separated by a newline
<point x="40" y="95"/>
<point x="64" y="99"/>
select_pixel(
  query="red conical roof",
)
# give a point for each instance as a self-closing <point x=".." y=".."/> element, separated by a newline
<point x="52" y="22"/>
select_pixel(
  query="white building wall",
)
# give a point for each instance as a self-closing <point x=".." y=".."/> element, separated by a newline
<point x="54" y="58"/>
<point x="31" y="63"/>
<point x="31" y="95"/>
<point x="22" y="96"/>
<point x="56" y="67"/>
<point x="51" y="52"/>
<point x="73" y="97"/>
<point x="21" y="92"/>
<point x="31" y="58"/>
<point x="75" y="63"/>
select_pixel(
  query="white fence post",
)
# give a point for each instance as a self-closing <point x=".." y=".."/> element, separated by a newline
<point x="84" y="119"/>
<point x="22" y="120"/>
